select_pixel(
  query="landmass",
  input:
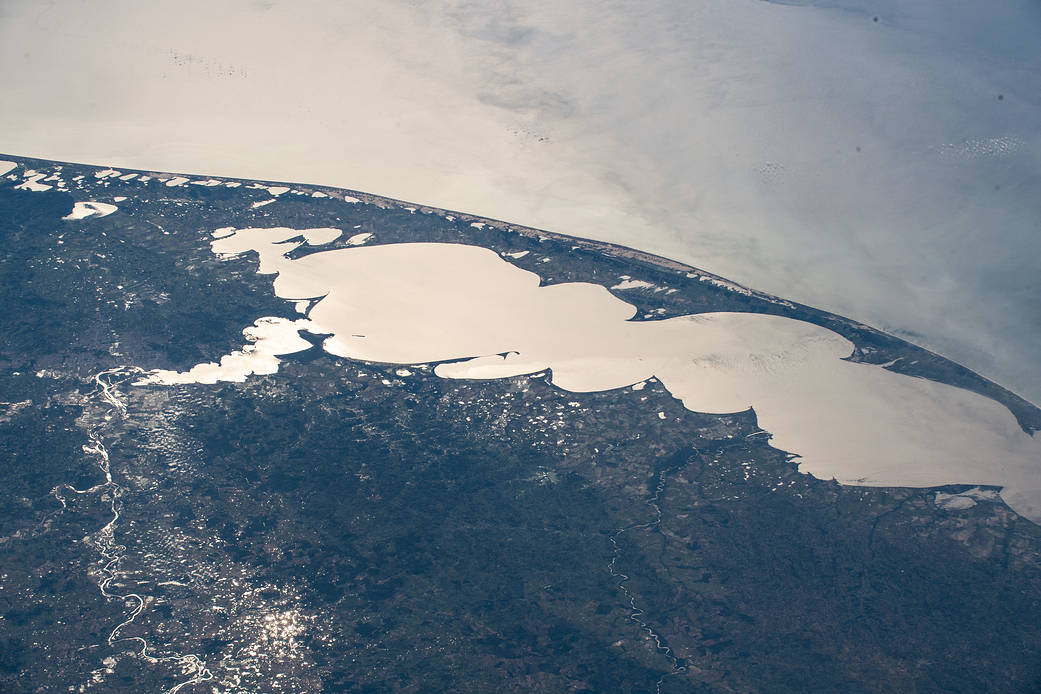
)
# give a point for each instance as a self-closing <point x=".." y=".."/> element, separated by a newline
<point x="350" y="526"/>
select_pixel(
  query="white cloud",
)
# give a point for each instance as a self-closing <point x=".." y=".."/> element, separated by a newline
<point x="724" y="133"/>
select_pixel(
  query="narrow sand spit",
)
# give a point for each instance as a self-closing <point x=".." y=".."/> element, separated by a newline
<point x="413" y="303"/>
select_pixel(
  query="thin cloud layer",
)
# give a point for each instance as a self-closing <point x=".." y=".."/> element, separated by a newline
<point x="889" y="170"/>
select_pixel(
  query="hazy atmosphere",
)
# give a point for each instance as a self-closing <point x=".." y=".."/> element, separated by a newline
<point x="411" y="303"/>
<point x="882" y="162"/>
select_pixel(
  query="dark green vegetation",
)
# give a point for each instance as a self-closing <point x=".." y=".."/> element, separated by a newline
<point x="340" y="527"/>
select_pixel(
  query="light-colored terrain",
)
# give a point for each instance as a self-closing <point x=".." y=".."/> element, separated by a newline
<point x="414" y="303"/>
<point x="885" y="170"/>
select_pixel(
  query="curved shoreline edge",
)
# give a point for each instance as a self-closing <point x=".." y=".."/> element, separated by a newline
<point x="872" y="345"/>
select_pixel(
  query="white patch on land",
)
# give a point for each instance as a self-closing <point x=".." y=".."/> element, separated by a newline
<point x="359" y="239"/>
<point x="6" y="166"/>
<point x="633" y="284"/>
<point x="954" y="502"/>
<point x="726" y="284"/>
<point x="412" y="303"/>
<point x="964" y="500"/>
<point x="32" y="182"/>
<point x="82" y="210"/>
<point x="269" y="338"/>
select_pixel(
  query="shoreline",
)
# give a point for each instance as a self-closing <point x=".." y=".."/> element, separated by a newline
<point x="861" y="334"/>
